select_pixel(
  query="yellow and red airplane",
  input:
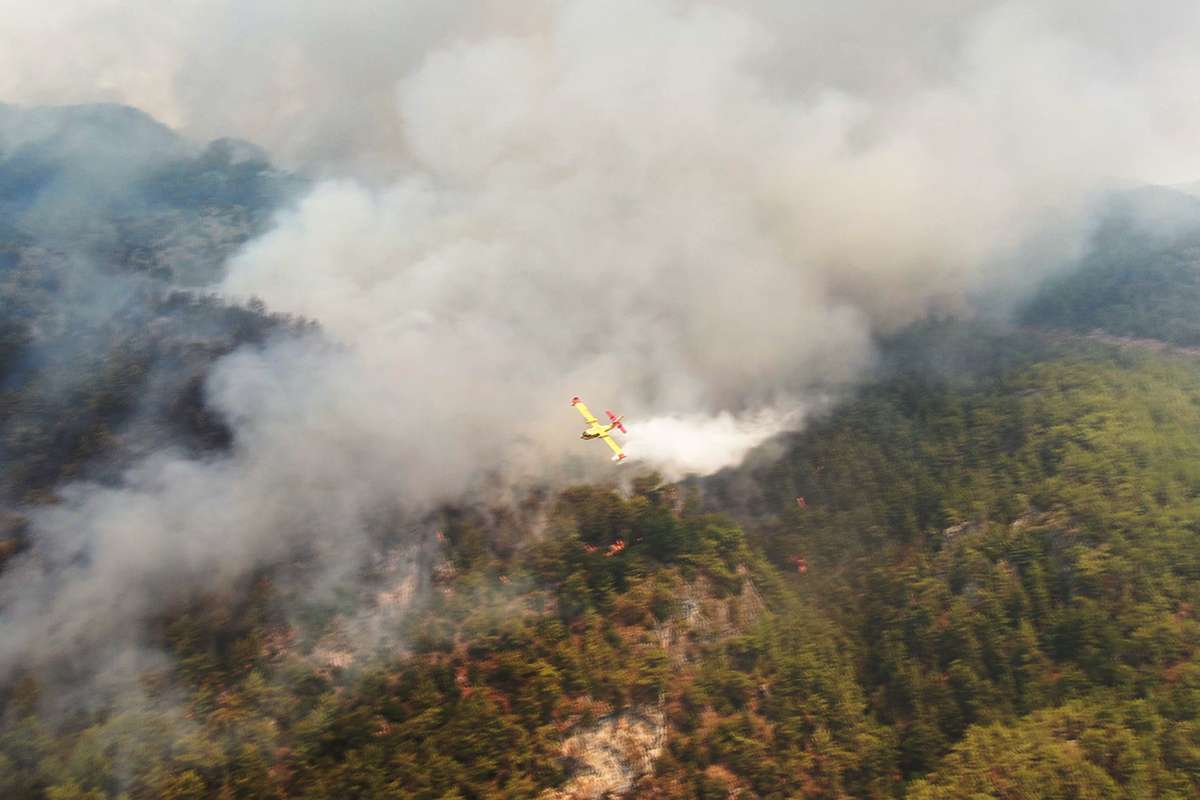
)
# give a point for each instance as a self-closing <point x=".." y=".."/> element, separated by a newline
<point x="596" y="431"/>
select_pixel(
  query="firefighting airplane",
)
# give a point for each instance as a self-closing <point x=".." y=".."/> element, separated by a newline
<point x="595" y="431"/>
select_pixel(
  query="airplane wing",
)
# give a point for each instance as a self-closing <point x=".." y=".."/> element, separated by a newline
<point x="584" y="410"/>
<point x="616" y="448"/>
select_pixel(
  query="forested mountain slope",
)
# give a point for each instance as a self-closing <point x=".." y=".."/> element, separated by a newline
<point x="1000" y="542"/>
<point x="978" y="575"/>
<point x="1001" y="577"/>
<point x="513" y="653"/>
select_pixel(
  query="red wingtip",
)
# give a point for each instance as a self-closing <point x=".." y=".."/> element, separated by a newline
<point x="575" y="400"/>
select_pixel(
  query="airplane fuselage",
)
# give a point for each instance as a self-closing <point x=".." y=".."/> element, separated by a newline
<point x="595" y="432"/>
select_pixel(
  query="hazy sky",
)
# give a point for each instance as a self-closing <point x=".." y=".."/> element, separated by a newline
<point x="317" y="82"/>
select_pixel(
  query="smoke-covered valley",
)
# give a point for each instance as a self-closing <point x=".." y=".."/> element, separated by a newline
<point x="702" y="215"/>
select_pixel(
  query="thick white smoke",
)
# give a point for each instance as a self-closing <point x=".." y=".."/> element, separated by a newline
<point x="687" y="212"/>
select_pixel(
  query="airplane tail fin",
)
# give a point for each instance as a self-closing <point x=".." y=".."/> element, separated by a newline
<point x="617" y="421"/>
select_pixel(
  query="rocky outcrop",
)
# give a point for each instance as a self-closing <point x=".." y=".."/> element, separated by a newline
<point x="609" y="757"/>
<point x="702" y="616"/>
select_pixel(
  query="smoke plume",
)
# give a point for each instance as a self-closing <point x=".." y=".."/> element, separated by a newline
<point x="688" y="212"/>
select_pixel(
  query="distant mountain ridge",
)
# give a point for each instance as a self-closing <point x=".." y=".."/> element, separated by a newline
<point x="105" y="215"/>
<point x="89" y="128"/>
<point x="1140" y="275"/>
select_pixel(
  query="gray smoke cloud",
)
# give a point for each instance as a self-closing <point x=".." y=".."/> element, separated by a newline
<point x="699" y="213"/>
